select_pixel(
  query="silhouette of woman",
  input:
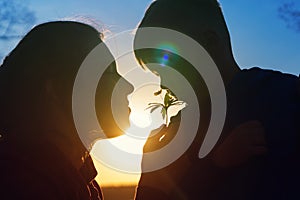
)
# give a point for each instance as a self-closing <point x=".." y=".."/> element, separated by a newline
<point x="41" y="154"/>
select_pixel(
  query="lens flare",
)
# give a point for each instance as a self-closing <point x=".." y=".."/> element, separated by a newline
<point x="164" y="56"/>
<point x="168" y="47"/>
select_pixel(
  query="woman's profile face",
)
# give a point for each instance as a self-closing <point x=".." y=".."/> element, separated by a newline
<point x="111" y="102"/>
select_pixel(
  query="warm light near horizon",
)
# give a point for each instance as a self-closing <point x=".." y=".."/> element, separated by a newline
<point x="116" y="154"/>
<point x="141" y="120"/>
<point x="112" y="161"/>
<point x="107" y="175"/>
<point x="131" y="142"/>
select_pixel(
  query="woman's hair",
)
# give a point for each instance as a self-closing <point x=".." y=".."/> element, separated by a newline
<point x="53" y="52"/>
<point x="50" y="51"/>
<point x="97" y="24"/>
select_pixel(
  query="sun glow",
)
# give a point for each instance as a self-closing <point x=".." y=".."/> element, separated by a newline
<point x="118" y="160"/>
<point x="141" y="120"/>
<point x="116" y="153"/>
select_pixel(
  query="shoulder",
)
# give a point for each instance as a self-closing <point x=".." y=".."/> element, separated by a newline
<point x="259" y="73"/>
<point x="258" y="79"/>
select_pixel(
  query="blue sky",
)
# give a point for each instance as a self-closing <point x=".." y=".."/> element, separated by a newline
<point x="261" y="35"/>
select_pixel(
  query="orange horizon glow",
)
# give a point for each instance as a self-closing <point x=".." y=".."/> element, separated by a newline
<point x="108" y="177"/>
<point x="142" y="122"/>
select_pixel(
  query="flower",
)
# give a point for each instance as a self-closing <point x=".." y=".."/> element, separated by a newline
<point x="169" y="100"/>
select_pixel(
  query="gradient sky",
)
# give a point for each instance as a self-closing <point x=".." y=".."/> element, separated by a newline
<point x="259" y="35"/>
<point x="264" y="33"/>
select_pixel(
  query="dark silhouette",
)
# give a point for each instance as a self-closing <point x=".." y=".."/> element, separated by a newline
<point x="257" y="156"/>
<point x="41" y="154"/>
